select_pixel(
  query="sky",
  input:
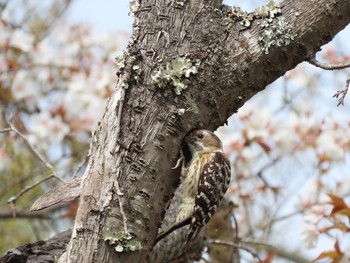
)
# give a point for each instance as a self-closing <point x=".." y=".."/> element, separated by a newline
<point x="106" y="15"/>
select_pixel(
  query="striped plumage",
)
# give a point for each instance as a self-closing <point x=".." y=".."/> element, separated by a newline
<point x="212" y="186"/>
<point x="206" y="181"/>
<point x="206" y="178"/>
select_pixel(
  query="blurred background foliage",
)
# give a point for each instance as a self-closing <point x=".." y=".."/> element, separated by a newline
<point x="289" y="145"/>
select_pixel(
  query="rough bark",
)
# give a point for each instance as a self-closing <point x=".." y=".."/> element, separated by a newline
<point x="38" y="252"/>
<point x="129" y="180"/>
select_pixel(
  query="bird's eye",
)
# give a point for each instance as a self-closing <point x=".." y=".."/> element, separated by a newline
<point x="200" y="136"/>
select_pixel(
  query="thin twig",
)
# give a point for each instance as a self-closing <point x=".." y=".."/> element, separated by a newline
<point x="265" y="167"/>
<point x="236" y="226"/>
<point x="5" y="130"/>
<point x="278" y="251"/>
<point x="284" y="217"/>
<point x="82" y="163"/>
<point x="36" y="215"/>
<point x="41" y="158"/>
<point x="236" y="245"/>
<point x="327" y="66"/>
<point x="255" y="243"/>
<point x="13" y="199"/>
<point x="340" y="94"/>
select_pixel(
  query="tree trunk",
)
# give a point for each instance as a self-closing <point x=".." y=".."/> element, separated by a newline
<point x="130" y="180"/>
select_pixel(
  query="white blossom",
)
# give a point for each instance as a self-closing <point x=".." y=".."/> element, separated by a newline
<point x="285" y="139"/>
<point x="256" y="121"/>
<point x="22" y="40"/>
<point x="45" y="54"/>
<point x="46" y="130"/>
<point x="328" y="147"/>
<point x="25" y="88"/>
<point x="84" y="102"/>
<point x="310" y="235"/>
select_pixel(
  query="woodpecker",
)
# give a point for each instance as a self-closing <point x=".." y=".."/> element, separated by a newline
<point x="206" y="177"/>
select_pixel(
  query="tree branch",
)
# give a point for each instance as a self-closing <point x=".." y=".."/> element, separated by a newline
<point x="41" y="251"/>
<point x="236" y="245"/>
<point x="13" y="199"/>
<point x="138" y="147"/>
<point x="38" y="215"/>
<point x="327" y="66"/>
<point x="279" y="251"/>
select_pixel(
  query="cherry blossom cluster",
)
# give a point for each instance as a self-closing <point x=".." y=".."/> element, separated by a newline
<point x="58" y="86"/>
<point x="285" y="170"/>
